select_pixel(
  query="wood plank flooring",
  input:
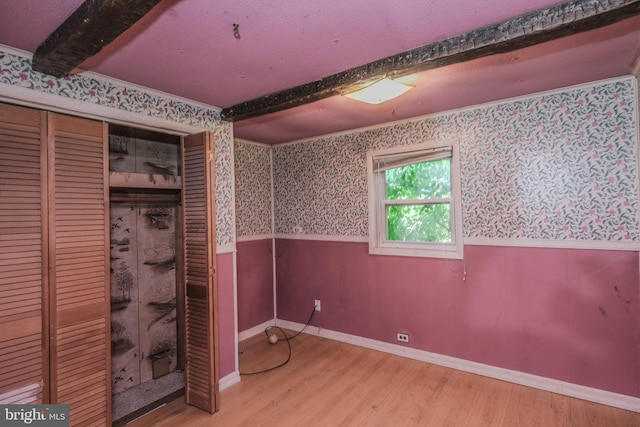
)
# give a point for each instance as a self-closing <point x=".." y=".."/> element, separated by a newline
<point x="328" y="383"/>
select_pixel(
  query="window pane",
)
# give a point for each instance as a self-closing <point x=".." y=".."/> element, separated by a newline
<point x="419" y="223"/>
<point x="419" y="181"/>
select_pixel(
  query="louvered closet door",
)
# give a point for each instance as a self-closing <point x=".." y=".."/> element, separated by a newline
<point x="198" y="199"/>
<point x="78" y="197"/>
<point x="23" y="268"/>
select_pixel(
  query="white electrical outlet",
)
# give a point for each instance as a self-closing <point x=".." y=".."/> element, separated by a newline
<point x="402" y="337"/>
<point x="317" y="303"/>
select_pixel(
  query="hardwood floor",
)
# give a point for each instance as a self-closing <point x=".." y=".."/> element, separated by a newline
<point x="328" y="383"/>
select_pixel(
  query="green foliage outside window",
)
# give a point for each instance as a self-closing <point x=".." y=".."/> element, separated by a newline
<point x="420" y="222"/>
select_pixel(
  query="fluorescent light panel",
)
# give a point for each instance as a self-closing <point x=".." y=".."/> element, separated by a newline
<point x="380" y="91"/>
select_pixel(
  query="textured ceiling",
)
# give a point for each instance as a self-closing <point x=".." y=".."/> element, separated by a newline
<point x="187" y="48"/>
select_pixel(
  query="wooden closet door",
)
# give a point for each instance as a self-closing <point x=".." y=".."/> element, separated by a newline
<point x="198" y="201"/>
<point x="79" y="277"/>
<point x="23" y="257"/>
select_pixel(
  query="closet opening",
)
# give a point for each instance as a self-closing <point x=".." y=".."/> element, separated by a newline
<point x="146" y="271"/>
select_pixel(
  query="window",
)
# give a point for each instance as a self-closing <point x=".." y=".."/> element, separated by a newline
<point x="414" y="201"/>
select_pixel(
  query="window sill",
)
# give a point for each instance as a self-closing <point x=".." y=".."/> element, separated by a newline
<point x="453" y="253"/>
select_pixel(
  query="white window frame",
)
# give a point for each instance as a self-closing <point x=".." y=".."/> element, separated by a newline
<point x="378" y="244"/>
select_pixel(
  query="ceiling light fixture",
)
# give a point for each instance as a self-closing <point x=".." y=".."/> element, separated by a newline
<point x="380" y="91"/>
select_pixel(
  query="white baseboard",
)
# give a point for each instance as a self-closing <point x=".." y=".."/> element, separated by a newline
<point x="255" y="330"/>
<point x="603" y="397"/>
<point x="229" y="380"/>
<point x="234" y="377"/>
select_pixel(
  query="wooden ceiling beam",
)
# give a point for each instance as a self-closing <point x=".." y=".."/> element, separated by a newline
<point x="94" y="25"/>
<point x="561" y="20"/>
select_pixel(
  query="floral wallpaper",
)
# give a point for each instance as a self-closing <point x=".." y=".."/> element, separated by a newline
<point x="225" y="208"/>
<point x="557" y="166"/>
<point x="253" y="189"/>
<point x="16" y="70"/>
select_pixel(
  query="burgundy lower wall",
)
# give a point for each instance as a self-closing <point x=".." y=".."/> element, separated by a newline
<point x="255" y="283"/>
<point x="566" y="314"/>
<point x="226" y="314"/>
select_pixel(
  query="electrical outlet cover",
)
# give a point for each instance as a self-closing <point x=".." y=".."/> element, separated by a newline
<point x="402" y="337"/>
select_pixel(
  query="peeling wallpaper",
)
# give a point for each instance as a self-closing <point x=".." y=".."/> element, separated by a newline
<point x="253" y="189"/>
<point x="16" y="70"/>
<point x="558" y="166"/>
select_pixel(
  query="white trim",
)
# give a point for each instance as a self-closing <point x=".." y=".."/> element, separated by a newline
<point x="235" y="253"/>
<point x="117" y="82"/>
<point x="254" y="238"/>
<point x="15" y="51"/>
<point x="252" y="332"/>
<point x="479" y="241"/>
<point x="50" y="102"/>
<point x="226" y="249"/>
<point x="324" y="238"/>
<point x="635" y="70"/>
<point x="235" y="310"/>
<point x="170" y="96"/>
<point x="273" y="240"/>
<point x="591" y="394"/>
<point x="378" y="243"/>
<point x="229" y="380"/>
<point x="555" y="244"/>
<point x="459" y="110"/>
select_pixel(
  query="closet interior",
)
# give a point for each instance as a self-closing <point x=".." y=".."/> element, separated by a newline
<point x="145" y="271"/>
<point x="107" y="266"/>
